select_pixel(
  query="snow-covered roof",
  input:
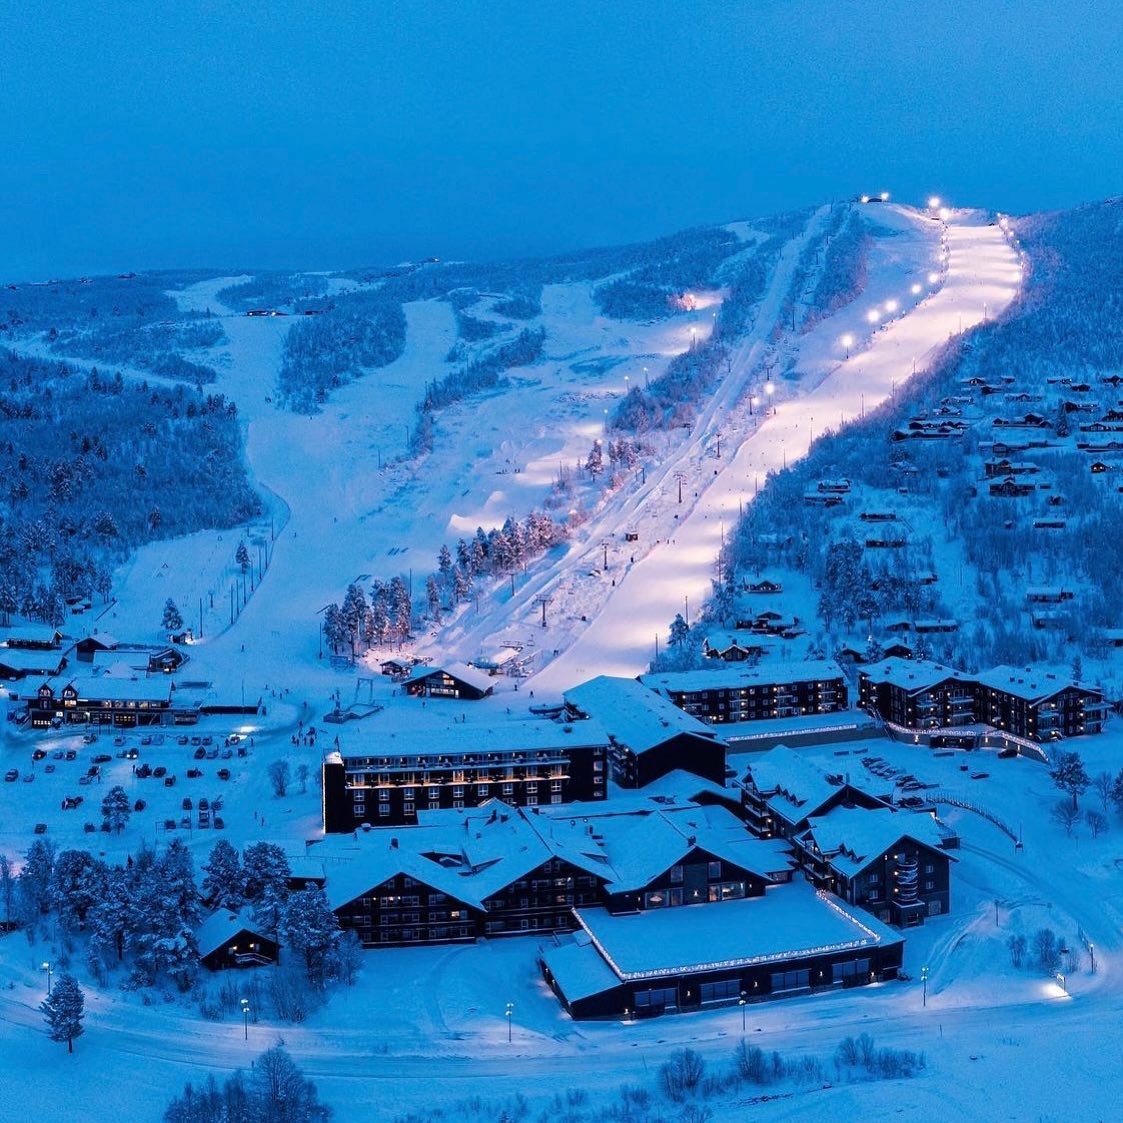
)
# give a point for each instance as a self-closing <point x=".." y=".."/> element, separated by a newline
<point x="633" y="715"/>
<point x="526" y="734"/>
<point x="911" y="674"/>
<point x="852" y="837"/>
<point x="788" y="922"/>
<point x="722" y="639"/>
<point x="467" y="675"/>
<point x="221" y="926"/>
<point x="735" y="677"/>
<point x="579" y="969"/>
<point x="639" y="845"/>
<point x="789" y="782"/>
<point x="26" y="659"/>
<point x="104" y="688"/>
<point x="29" y="633"/>
<point x="1032" y="684"/>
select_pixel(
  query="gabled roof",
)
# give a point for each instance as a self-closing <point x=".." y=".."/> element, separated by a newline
<point x="634" y="716"/>
<point x="106" y="688"/>
<point x="852" y="838"/>
<point x="1031" y="684"/>
<point x="461" y="671"/>
<point x="791" y="784"/>
<point x="28" y="659"/>
<point x="911" y="674"/>
<point x="220" y="927"/>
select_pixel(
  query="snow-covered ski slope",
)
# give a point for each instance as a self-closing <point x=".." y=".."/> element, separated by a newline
<point x="981" y="275"/>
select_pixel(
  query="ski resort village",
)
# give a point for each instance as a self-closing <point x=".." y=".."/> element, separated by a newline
<point x="675" y="681"/>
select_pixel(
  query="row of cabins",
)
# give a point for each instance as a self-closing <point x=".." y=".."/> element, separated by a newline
<point x="41" y="651"/>
<point x="1036" y="704"/>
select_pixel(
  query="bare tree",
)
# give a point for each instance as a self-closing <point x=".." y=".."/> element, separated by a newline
<point x="279" y="777"/>
<point x="1096" y="820"/>
<point x="302" y="776"/>
<point x="1102" y="784"/>
<point x="1066" y="815"/>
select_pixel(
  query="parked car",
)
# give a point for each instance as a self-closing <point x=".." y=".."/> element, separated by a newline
<point x="131" y="754"/>
<point x="39" y="754"/>
<point x="83" y="780"/>
<point x="194" y="773"/>
<point x="146" y="740"/>
<point x="196" y="740"/>
<point x="218" y="823"/>
<point x="208" y="740"/>
<point x="227" y="754"/>
<point x="40" y="828"/>
<point x="224" y="773"/>
<point x="204" y="804"/>
<point x="28" y="777"/>
<point x="159" y="771"/>
<point x="89" y="738"/>
<point x="102" y="758"/>
<point x="169" y="824"/>
<point x="140" y="805"/>
<point x="71" y="754"/>
<point x="89" y="828"/>
<point x="11" y="775"/>
<point x="182" y="739"/>
<point x="200" y="754"/>
<point x="187" y="803"/>
<point x="48" y="768"/>
<point x="118" y="741"/>
<point x="185" y="822"/>
<point x="212" y="754"/>
<point x="144" y="771"/>
<point x="169" y="781"/>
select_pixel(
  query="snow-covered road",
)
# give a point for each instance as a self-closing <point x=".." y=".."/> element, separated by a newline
<point x="982" y="277"/>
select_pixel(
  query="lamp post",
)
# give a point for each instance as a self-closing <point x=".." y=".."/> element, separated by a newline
<point x="754" y="401"/>
<point x="510" y="1011"/>
<point x="245" y="1004"/>
<point x="1092" y="953"/>
<point x="924" y="980"/>
<point x="47" y="967"/>
<point x="847" y="341"/>
<point x="743" y="1002"/>
<point x="770" y="389"/>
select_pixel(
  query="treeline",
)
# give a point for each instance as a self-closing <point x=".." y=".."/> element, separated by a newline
<point x="273" y="290"/>
<point x="687" y="260"/>
<point x="93" y="467"/>
<point x="322" y="353"/>
<point x="475" y="377"/>
<point x="845" y="270"/>
<point x="671" y="399"/>
<point x="388" y="615"/>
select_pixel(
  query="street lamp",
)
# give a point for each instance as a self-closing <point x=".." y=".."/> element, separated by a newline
<point x="47" y="967"/>
<point x="891" y="306"/>
<point x="510" y="1011"/>
<point x="872" y="316"/>
<point x="847" y="341"/>
<point x="245" y="1004"/>
<point x="770" y="389"/>
<point x="744" y="1001"/>
<point x="754" y="401"/>
<point x="916" y="288"/>
<point x="934" y="203"/>
<point x="924" y="980"/>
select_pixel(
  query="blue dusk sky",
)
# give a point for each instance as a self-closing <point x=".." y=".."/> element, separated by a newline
<point x="331" y="134"/>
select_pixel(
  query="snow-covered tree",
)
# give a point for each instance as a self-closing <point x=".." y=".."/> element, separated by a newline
<point x="1068" y="774"/>
<point x="266" y="871"/>
<point x="35" y="877"/>
<point x="680" y="632"/>
<point x="77" y="880"/>
<point x="433" y="598"/>
<point x="222" y="885"/>
<point x="172" y="620"/>
<point x="116" y="808"/>
<point x="242" y="557"/>
<point x="64" y="1008"/>
<point x="310" y="928"/>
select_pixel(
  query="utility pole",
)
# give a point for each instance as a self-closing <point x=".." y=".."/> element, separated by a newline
<point x="680" y="476"/>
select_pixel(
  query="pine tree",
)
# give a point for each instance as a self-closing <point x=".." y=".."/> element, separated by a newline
<point x="433" y="597"/>
<point x="461" y="585"/>
<point x="242" y="557"/>
<point x="680" y="632"/>
<point x="35" y="877"/>
<point x="77" y="881"/>
<point x="64" y="1008"/>
<point x="172" y="621"/>
<point x="266" y="872"/>
<point x="111" y="919"/>
<point x="310" y="928"/>
<point x="444" y="564"/>
<point x="115" y="808"/>
<point x="594" y="463"/>
<point x="222" y="886"/>
<point x="1068" y="774"/>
